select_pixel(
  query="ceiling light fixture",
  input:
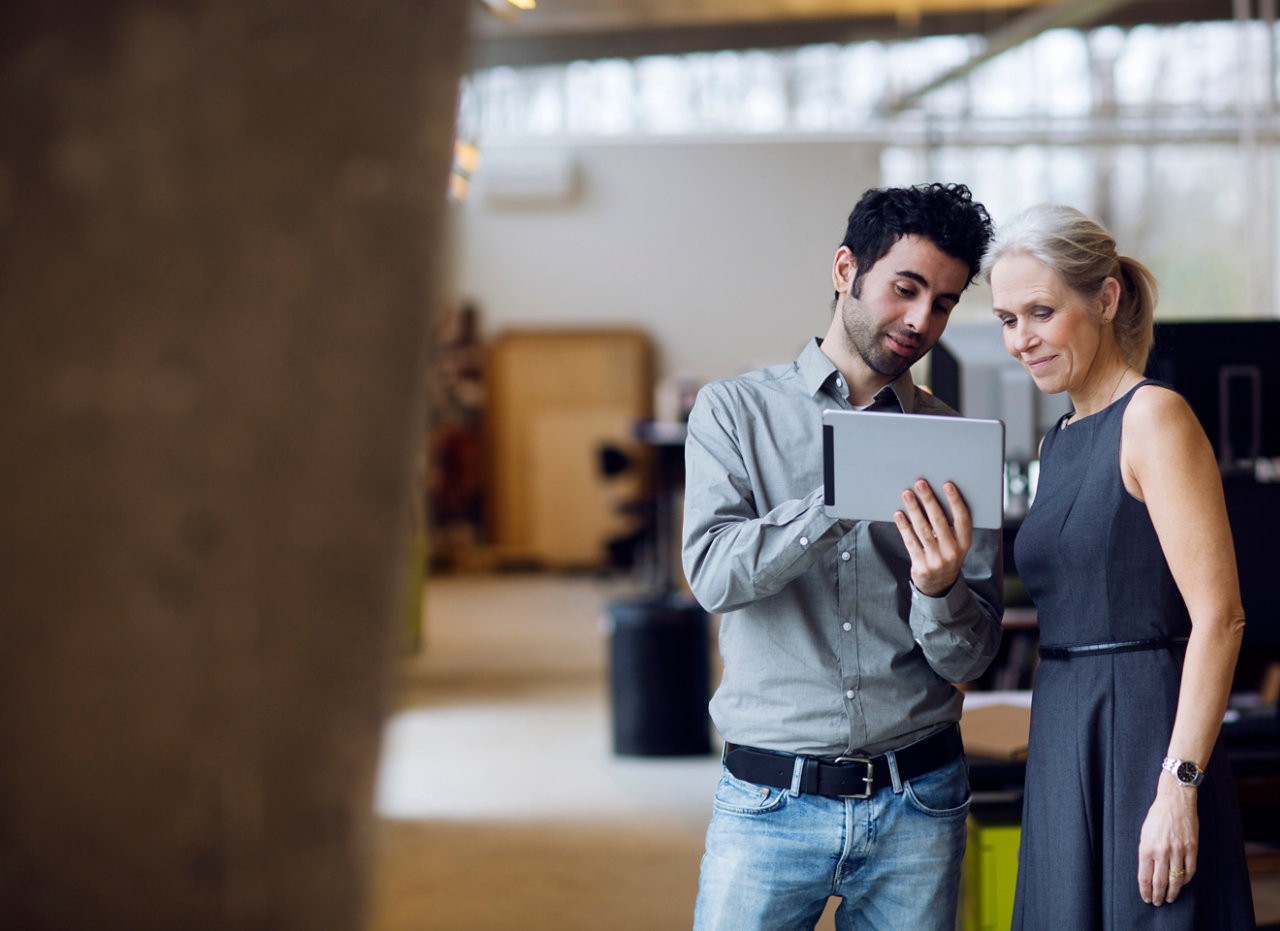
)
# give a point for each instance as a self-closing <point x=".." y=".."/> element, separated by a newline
<point x="466" y="159"/>
<point x="507" y="9"/>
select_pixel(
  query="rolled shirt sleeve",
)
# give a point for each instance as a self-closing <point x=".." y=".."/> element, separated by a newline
<point x="955" y="630"/>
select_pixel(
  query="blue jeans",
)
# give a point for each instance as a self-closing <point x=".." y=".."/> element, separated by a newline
<point x="773" y="859"/>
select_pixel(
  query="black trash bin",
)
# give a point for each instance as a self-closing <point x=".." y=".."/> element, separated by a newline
<point x="660" y="671"/>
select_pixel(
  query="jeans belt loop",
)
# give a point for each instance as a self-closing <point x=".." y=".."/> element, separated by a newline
<point x="892" y="759"/>
<point x="797" y="773"/>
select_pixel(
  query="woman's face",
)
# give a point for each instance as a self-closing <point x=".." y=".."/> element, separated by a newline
<point x="1051" y="329"/>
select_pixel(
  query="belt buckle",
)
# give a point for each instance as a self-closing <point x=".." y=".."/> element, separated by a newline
<point x="867" y="779"/>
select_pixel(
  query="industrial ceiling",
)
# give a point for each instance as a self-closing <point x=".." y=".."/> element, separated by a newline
<point x="563" y="30"/>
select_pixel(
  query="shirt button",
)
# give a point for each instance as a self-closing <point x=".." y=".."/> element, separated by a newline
<point x="848" y="626"/>
<point x="845" y="555"/>
<point x="849" y="694"/>
<point x="839" y="382"/>
<point x="804" y="541"/>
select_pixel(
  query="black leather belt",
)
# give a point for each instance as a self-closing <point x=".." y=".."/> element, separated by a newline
<point x="1115" y="646"/>
<point x="843" y="777"/>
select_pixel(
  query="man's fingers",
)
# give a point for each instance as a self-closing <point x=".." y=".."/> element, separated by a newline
<point x="932" y="506"/>
<point x="962" y="520"/>
<point x="917" y="519"/>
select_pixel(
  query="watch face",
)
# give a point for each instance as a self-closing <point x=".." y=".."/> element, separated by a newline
<point x="1186" y="772"/>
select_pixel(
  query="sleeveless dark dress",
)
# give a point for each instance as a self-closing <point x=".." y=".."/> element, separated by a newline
<point x="1100" y="724"/>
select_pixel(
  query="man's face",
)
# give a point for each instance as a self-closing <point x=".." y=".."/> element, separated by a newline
<point x="894" y="313"/>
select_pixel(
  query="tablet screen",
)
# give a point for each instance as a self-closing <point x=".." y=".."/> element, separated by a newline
<point x="870" y="458"/>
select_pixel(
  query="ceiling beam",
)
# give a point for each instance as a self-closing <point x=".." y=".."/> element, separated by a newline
<point x="1069" y="14"/>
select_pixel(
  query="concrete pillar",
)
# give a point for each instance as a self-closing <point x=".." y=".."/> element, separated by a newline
<point x="218" y="228"/>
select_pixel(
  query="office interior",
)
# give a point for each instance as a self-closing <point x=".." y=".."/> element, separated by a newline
<point x="347" y="352"/>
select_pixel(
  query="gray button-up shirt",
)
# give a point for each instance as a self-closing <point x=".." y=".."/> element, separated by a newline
<point x="827" y="647"/>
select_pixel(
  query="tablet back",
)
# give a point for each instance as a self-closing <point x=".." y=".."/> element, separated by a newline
<point x="870" y="458"/>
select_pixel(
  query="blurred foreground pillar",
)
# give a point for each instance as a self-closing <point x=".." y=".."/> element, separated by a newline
<point x="218" y="223"/>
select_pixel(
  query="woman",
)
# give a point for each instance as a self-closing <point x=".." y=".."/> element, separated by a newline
<point x="1130" y="817"/>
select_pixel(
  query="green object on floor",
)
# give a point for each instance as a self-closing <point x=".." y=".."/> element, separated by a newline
<point x="989" y="875"/>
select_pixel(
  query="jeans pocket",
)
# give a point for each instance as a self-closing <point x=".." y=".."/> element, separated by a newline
<point x="943" y="793"/>
<point x="736" y="796"/>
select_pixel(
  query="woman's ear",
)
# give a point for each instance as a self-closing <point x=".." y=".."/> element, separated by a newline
<point x="1110" y="297"/>
<point x="843" y="270"/>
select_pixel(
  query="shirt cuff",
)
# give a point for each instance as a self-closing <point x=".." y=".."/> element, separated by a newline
<point x="941" y="607"/>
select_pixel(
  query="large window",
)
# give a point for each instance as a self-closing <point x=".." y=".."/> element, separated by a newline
<point x="1167" y="134"/>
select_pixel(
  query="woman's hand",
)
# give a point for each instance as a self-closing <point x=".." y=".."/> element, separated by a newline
<point x="1169" y="842"/>
<point x="936" y="546"/>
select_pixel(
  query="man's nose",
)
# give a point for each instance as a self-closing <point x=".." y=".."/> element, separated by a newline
<point x="918" y="314"/>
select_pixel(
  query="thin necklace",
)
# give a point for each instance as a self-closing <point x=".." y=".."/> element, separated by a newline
<point x="1123" y="373"/>
<point x="1072" y="418"/>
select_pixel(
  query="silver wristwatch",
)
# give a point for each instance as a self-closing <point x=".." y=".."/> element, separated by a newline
<point x="1187" y="773"/>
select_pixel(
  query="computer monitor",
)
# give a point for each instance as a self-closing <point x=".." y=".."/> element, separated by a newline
<point x="973" y="372"/>
<point x="1229" y="372"/>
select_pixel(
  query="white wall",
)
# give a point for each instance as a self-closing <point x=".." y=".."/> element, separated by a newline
<point x="721" y="250"/>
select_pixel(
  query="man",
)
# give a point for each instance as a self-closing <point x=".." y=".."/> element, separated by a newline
<point x="840" y="638"/>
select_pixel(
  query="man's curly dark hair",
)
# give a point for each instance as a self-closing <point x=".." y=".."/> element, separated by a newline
<point x="945" y="214"/>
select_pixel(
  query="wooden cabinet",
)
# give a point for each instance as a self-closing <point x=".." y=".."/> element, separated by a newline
<point x="554" y="399"/>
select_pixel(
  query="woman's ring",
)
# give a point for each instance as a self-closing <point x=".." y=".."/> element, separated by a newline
<point x="1177" y="874"/>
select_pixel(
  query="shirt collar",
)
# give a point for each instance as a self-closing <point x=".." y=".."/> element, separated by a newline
<point x="820" y="372"/>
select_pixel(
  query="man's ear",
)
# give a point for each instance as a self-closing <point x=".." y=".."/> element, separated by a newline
<point x="843" y="270"/>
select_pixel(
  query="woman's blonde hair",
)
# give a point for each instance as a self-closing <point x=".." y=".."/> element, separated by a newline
<point x="1083" y="252"/>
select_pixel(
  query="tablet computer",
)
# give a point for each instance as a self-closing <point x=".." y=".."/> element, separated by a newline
<point x="870" y="458"/>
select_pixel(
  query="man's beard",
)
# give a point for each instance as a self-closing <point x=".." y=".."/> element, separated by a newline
<point x="869" y="344"/>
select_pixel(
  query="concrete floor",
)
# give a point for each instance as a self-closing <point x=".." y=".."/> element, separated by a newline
<point x="500" y="801"/>
<point x="514" y="671"/>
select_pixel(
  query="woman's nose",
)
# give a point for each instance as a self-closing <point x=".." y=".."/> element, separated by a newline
<point x="1020" y="338"/>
